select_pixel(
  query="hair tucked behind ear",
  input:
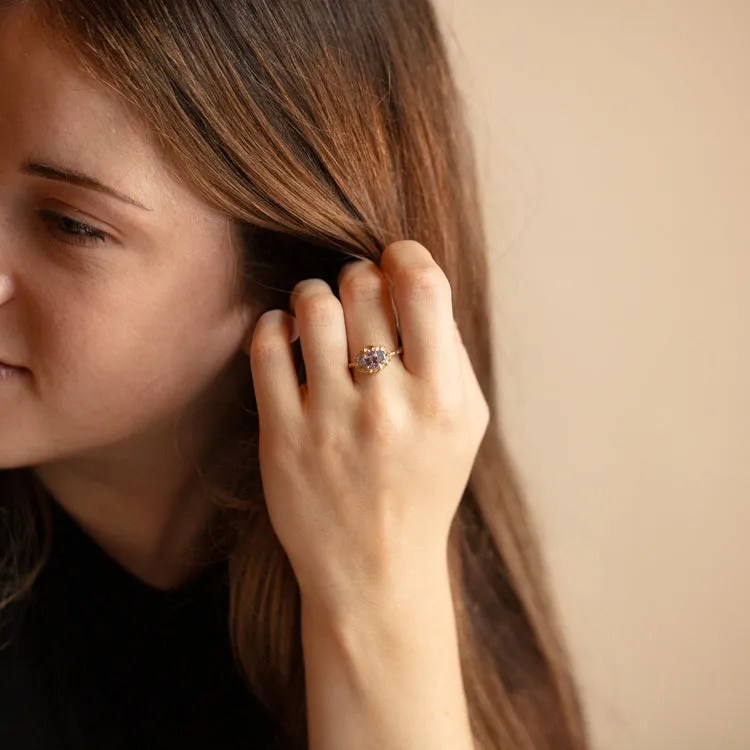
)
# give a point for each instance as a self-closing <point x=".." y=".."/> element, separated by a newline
<point x="328" y="129"/>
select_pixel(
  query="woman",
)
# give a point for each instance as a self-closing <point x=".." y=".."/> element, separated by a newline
<point x="215" y="533"/>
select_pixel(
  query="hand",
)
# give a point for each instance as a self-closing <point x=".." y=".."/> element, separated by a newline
<point x="363" y="474"/>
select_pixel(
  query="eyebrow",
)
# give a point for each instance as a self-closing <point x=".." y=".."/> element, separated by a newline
<point x="74" y="177"/>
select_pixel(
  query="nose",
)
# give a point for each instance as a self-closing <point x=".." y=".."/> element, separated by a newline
<point x="13" y="249"/>
<point x="6" y="283"/>
<point x="6" y="287"/>
<point x="6" y="264"/>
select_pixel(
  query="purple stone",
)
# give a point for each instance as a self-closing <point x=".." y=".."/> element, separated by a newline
<point x="372" y="359"/>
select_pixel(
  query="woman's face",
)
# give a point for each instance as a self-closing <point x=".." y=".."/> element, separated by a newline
<point x="122" y="314"/>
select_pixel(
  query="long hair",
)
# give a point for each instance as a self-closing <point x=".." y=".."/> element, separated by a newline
<point x="327" y="129"/>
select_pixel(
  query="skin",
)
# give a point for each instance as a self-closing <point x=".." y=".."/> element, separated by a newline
<point x="362" y="478"/>
<point x="124" y="340"/>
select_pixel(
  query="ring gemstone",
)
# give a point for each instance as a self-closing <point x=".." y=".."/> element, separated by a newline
<point x="372" y="359"/>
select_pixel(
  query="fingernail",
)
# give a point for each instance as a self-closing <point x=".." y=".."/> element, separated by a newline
<point x="293" y="329"/>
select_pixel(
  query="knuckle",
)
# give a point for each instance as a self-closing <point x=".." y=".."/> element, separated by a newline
<point x="265" y="350"/>
<point x="308" y="286"/>
<point x="267" y="344"/>
<point x="402" y="250"/>
<point x="318" y="308"/>
<point x="425" y="282"/>
<point x="443" y="406"/>
<point x="364" y="287"/>
<point x="379" y="421"/>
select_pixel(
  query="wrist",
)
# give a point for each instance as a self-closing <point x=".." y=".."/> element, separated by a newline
<point x="390" y="600"/>
<point x="385" y="668"/>
<point x="384" y="620"/>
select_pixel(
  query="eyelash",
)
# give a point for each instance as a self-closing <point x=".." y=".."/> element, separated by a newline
<point x="83" y="237"/>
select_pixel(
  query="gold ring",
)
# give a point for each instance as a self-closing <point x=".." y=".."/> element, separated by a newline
<point x="373" y="359"/>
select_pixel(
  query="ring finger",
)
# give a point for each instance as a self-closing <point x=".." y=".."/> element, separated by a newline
<point x="369" y="313"/>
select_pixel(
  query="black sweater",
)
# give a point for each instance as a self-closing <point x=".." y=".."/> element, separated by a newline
<point x="100" y="660"/>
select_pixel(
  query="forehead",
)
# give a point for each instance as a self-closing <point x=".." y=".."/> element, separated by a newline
<point x="54" y="110"/>
<point x="49" y="99"/>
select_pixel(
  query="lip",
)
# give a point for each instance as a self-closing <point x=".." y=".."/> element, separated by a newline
<point x="11" y="373"/>
<point x="11" y="367"/>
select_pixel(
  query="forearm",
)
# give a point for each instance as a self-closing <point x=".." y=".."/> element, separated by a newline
<point x="385" y="674"/>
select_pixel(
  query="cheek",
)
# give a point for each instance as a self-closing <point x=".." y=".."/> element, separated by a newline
<point x="108" y="376"/>
<point x="112" y="359"/>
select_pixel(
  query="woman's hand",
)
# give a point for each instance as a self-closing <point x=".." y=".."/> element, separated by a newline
<point x="363" y="473"/>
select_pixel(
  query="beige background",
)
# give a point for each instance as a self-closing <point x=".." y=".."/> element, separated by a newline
<point x="613" y="138"/>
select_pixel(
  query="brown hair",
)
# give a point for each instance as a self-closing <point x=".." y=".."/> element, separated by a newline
<point x="328" y="129"/>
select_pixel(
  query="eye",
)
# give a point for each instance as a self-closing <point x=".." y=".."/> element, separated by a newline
<point x="70" y="231"/>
